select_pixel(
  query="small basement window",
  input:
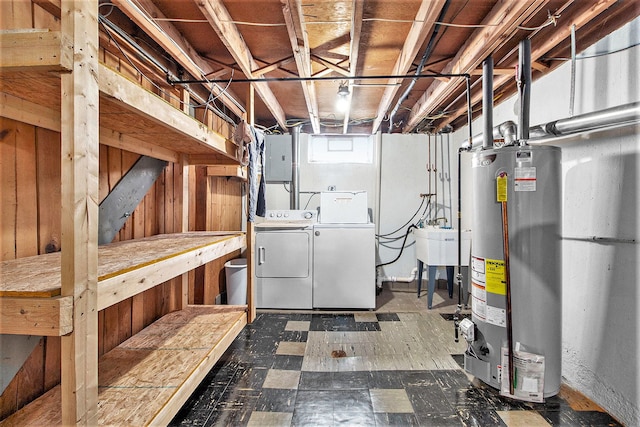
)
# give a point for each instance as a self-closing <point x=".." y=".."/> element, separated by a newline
<point x="341" y="149"/>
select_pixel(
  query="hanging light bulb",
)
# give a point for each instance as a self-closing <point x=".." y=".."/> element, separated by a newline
<point x="342" y="103"/>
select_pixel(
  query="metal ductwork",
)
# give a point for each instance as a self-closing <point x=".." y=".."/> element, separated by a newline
<point x="614" y="116"/>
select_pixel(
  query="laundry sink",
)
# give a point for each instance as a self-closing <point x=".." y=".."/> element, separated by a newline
<point x="439" y="246"/>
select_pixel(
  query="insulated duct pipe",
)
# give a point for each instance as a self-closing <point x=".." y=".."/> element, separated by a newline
<point x="487" y="103"/>
<point x="294" y="195"/>
<point x="614" y="116"/>
<point x="524" y="88"/>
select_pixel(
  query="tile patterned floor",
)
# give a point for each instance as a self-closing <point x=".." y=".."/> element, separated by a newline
<point x="381" y="368"/>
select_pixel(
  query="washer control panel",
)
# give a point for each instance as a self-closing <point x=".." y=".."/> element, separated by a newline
<point x="291" y="215"/>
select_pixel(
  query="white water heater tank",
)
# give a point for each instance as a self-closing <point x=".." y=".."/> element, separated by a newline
<point x="533" y="179"/>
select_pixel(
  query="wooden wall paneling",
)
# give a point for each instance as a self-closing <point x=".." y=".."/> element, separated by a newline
<point x="139" y="231"/>
<point x="192" y="226"/>
<point x="45" y="19"/>
<point x="210" y="286"/>
<point x="51" y="362"/>
<point x="101" y="333"/>
<point x="9" y="398"/>
<point x="31" y="378"/>
<point x="109" y="325"/>
<point x="125" y="315"/>
<point x="165" y="289"/>
<point x="8" y="186"/>
<point x="169" y="199"/>
<point x="182" y="186"/>
<point x="160" y="200"/>
<point x="151" y="227"/>
<point x="150" y="219"/>
<point x="127" y="70"/>
<point x="111" y="60"/>
<point x="103" y="174"/>
<point x="15" y="15"/>
<point x="128" y="159"/>
<point x="48" y="187"/>
<point x="200" y="223"/>
<point x="26" y="192"/>
<point x="114" y="156"/>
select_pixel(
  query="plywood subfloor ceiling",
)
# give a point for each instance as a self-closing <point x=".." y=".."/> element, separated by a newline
<point x="306" y="49"/>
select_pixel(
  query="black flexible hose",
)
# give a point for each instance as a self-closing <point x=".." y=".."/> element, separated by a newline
<point x="412" y="226"/>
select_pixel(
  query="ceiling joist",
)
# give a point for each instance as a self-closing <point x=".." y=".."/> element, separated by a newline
<point x="578" y="17"/>
<point x="482" y="43"/>
<point x="218" y="16"/>
<point x="420" y="29"/>
<point x="292" y="11"/>
<point x="354" y="50"/>
<point x="167" y="35"/>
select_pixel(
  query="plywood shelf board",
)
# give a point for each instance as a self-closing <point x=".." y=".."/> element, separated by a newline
<point x="39" y="276"/>
<point x="149" y="377"/>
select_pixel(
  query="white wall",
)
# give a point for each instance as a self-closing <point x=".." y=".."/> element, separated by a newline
<point x="404" y="176"/>
<point x="601" y="187"/>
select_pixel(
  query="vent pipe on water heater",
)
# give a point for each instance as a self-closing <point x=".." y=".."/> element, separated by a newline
<point x="487" y="103"/>
<point x="294" y="196"/>
<point x="524" y="89"/>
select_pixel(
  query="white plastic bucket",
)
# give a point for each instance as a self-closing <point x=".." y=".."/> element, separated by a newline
<point x="236" y="274"/>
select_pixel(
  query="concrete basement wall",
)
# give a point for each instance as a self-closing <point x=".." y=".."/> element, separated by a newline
<point x="601" y="191"/>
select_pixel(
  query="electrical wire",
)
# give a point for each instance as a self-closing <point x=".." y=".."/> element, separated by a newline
<point x="406" y="223"/>
<point x="102" y="20"/>
<point x="595" y="55"/>
<point x="152" y="20"/>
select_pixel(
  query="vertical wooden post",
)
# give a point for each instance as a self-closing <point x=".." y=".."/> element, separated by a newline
<point x="184" y="163"/>
<point x="251" y="238"/>
<point x="79" y="236"/>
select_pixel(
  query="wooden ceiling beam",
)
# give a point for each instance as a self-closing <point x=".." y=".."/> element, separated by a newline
<point x="357" y="13"/>
<point x="292" y="12"/>
<point x="221" y="21"/>
<point x="274" y="66"/>
<point x="330" y="65"/>
<point x="579" y="17"/>
<point x="328" y="70"/>
<point x="421" y="28"/>
<point x="150" y="20"/>
<point x="501" y="22"/>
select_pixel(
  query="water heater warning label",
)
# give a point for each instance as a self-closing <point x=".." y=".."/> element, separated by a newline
<point x="525" y="179"/>
<point x="478" y="288"/>
<point x="495" y="277"/>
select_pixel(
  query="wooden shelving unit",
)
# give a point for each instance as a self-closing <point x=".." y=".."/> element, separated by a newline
<point x="30" y="288"/>
<point x="147" y="379"/>
<point x="52" y="79"/>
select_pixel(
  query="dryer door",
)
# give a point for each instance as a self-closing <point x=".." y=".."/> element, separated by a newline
<point x="283" y="253"/>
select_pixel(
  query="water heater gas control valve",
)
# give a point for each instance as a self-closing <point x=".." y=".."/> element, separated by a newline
<point x="468" y="329"/>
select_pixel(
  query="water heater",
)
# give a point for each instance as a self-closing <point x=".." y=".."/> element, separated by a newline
<point x="525" y="182"/>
